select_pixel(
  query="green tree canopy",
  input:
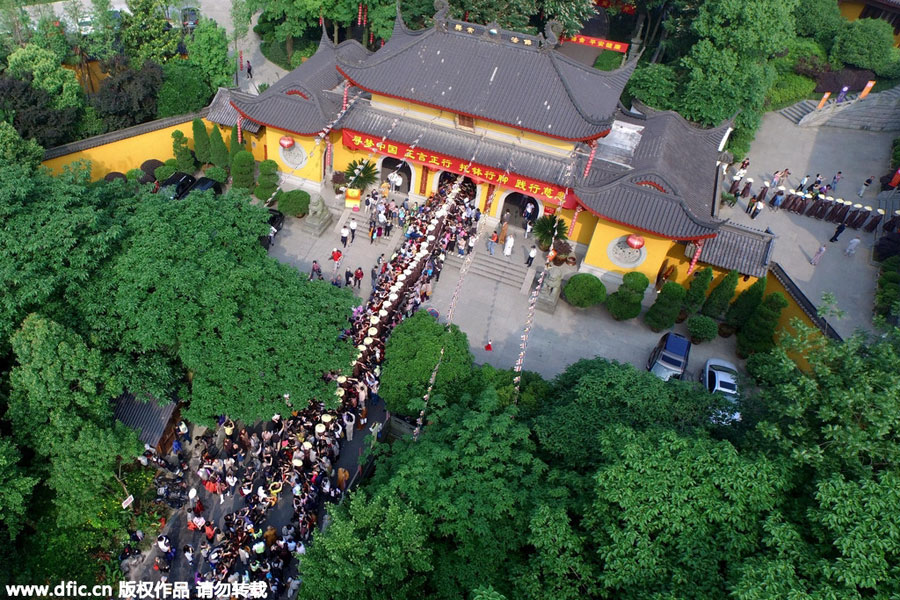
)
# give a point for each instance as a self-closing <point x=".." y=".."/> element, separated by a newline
<point x="411" y="353"/>
<point x="15" y="489"/>
<point x="145" y="34"/>
<point x="14" y="151"/>
<point x="49" y="75"/>
<point x="864" y="43"/>
<point x="207" y="48"/>
<point x="250" y="331"/>
<point x="129" y="97"/>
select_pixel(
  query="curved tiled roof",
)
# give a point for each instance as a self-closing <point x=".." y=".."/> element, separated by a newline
<point x="506" y="77"/>
<point x="297" y="102"/>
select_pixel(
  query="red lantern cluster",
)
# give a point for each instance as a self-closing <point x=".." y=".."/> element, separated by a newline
<point x="286" y="142"/>
<point x="635" y="241"/>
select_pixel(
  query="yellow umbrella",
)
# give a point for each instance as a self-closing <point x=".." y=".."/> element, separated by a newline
<point x="373" y="331"/>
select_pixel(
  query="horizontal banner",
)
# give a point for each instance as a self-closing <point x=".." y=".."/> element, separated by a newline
<point x="598" y="43"/>
<point x="480" y="173"/>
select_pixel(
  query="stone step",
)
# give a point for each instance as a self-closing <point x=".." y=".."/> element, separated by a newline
<point x="796" y="112"/>
<point x="508" y="271"/>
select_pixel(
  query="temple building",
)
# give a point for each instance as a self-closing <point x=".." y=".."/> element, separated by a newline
<point x="525" y="124"/>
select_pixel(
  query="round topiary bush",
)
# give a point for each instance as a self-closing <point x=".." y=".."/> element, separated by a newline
<point x="242" y="170"/>
<point x="294" y="202"/>
<point x="702" y="328"/>
<point x="583" y="290"/>
<point x="624" y="304"/>
<point x="167" y="170"/>
<point x="636" y="281"/>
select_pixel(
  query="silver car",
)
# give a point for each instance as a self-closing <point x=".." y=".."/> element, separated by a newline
<point x="720" y="377"/>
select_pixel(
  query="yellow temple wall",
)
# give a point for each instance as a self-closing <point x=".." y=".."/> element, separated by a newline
<point x="312" y="170"/>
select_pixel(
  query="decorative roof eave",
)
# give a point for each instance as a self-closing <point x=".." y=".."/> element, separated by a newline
<point x="716" y="133"/>
<point x="640" y="228"/>
<point x="594" y="136"/>
<point x="272" y="125"/>
<point x="623" y="73"/>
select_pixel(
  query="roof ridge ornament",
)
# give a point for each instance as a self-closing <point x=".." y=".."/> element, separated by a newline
<point x="552" y="32"/>
<point x="442" y="9"/>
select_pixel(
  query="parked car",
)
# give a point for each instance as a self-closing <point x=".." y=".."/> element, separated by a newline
<point x="176" y="186"/>
<point x="189" y="18"/>
<point x="720" y="377"/>
<point x="86" y="25"/>
<point x="670" y="357"/>
<point x="205" y="183"/>
<point x="276" y="222"/>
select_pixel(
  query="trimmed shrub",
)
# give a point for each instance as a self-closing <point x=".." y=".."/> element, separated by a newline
<point x="758" y="333"/>
<point x="701" y="328"/>
<point x="243" y="170"/>
<point x="787" y="89"/>
<point x="625" y="303"/>
<point x="584" y="289"/>
<point x="268" y="180"/>
<point x="183" y="157"/>
<point x="218" y="152"/>
<point x="741" y="309"/>
<point x="166" y="170"/>
<point x="235" y="146"/>
<point x="665" y="310"/>
<point x="201" y="141"/>
<point x="294" y="202"/>
<point x="636" y="281"/>
<point x="696" y="294"/>
<point x="217" y="174"/>
<point x="721" y="296"/>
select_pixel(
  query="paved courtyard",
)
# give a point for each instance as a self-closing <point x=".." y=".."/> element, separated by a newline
<point x="780" y="144"/>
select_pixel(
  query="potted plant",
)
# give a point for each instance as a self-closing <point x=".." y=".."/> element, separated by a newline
<point x="583" y="290"/>
<point x="701" y="328"/>
<point x="563" y="249"/>
<point x="547" y="228"/>
<point x="360" y="174"/>
<point x="338" y="180"/>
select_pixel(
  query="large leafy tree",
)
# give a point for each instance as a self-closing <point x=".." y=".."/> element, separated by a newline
<point x="208" y="49"/>
<point x="184" y="89"/>
<point x="48" y="74"/>
<point x="248" y="332"/>
<point x="146" y="35"/>
<point x="15" y="489"/>
<point x="60" y="408"/>
<point x="382" y="539"/>
<point x="129" y="97"/>
<point x="411" y="354"/>
<point x="16" y="151"/>
<point x="32" y="112"/>
<point x="709" y="520"/>
<point x="57" y="231"/>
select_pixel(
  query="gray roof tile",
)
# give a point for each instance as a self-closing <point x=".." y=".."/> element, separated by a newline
<point x="298" y="102"/>
<point x="222" y="112"/>
<point x="741" y="248"/>
<point x="488" y="76"/>
<point x="149" y="417"/>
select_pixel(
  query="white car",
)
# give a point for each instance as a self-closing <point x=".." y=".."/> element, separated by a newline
<point x="720" y="377"/>
<point x="86" y="25"/>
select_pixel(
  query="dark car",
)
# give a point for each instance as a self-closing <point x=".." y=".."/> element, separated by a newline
<point x="177" y="186"/>
<point x="276" y="222"/>
<point x="205" y="183"/>
<point x="189" y="18"/>
<point x="670" y="357"/>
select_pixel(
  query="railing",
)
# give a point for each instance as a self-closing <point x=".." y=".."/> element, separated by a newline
<point x="805" y="303"/>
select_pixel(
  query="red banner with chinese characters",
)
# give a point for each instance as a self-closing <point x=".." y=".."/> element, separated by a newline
<point x="480" y="173"/>
<point x="598" y="43"/>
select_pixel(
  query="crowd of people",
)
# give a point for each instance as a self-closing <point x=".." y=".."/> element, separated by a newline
<point x="812" y="197"/>
<point x="296" y="455"/>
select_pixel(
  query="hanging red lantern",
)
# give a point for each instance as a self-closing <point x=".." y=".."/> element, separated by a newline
<point x="286" y="142"/>
<point x="359" y="14"/>
<point x="365" y="14"/>
<point x="371" y="38"/>
<point x="635" y="241"/>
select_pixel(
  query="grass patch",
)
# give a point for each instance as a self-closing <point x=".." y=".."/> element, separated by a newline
<point x="274" y="51"/>
<point x="608" y="60"/>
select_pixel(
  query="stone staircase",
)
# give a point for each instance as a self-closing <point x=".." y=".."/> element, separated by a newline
<point x="509" y="271"/>
<point x="795" y="112"/>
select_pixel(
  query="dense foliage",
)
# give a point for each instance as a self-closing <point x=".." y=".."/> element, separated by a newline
<point x="665" y="309"/>
<point x="720" y="296"/>
<point x="584" y="289"/>
<point x="106" y="299"/>
<point x="293" y="202"/>
<point x="625" y="302"/>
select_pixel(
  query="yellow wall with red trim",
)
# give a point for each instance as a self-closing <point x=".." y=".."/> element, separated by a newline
<point x="129" y="153"/>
